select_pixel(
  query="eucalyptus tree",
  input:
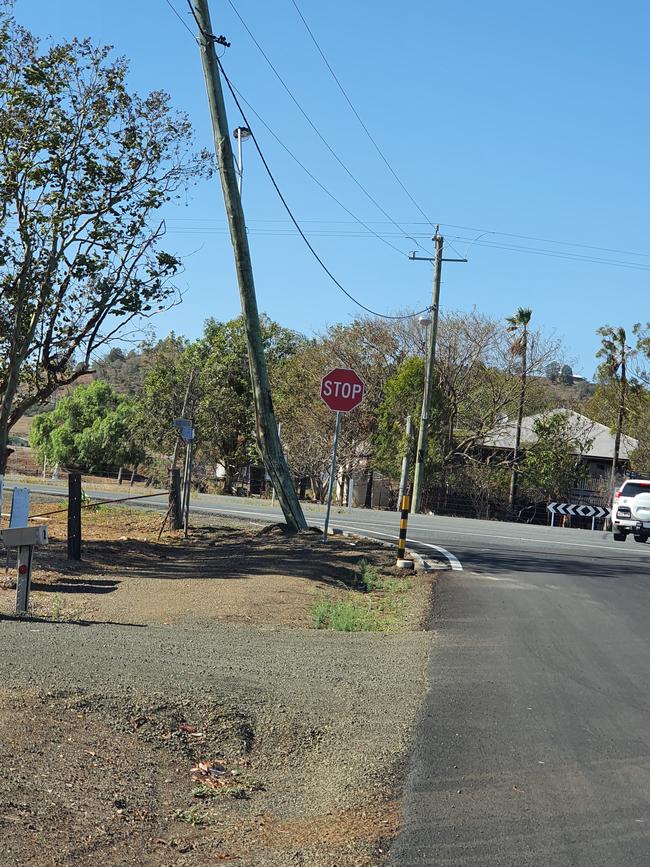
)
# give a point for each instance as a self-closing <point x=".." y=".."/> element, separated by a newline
<point x="85" y="167"/>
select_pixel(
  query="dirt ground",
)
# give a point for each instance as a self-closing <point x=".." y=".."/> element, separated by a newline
<point x="87" y="782"/>
<point x="226" y="571"/>
<point x="99" y="757"/>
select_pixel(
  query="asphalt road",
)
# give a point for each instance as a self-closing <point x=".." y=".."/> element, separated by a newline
<point x="533" y="744"/>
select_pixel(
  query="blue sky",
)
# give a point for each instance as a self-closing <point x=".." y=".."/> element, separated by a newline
<point x="518" y="118"/>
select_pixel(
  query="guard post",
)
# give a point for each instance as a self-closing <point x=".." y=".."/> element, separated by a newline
<point x="402" y="562"/>
<point x="24" y="539"/>
<point x="74" y="516"/>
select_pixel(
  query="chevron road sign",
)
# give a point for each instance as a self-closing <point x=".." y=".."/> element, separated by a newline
<point x="593" y="512"/>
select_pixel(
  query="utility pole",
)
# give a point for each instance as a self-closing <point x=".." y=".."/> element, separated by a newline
<point x="423" y="433"/>
<point x="266" y="426"/>
<point x="406" y="462"/>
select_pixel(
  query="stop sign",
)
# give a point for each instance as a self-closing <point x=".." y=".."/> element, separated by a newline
<point x="342" y="389"/>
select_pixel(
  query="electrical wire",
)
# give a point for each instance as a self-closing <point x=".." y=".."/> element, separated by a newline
<point x="357" y="115"/>
<point x="180" y="18"/>
<point x="413" y="236"/>
<point x="561" y="243"/>
<point x="276" y="229"/>
<point x="210" y="38"/>
<point x="557" y="254"/>
<point x="315" y="179"/>
<point x="317" y="131"/>
<point x="293" y="219"/>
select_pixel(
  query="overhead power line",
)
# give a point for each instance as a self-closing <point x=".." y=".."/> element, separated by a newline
<point x="233" y="93"/>
<point x="320" y="135"/>
<point x="356" y="113"/>
<point x="274" y="228"/>
<point x="315" y="179"/>
<point x="180" y="18"/>
<point x="293" y="219"/>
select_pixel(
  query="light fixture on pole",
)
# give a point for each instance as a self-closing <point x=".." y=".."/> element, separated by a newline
<point x="240" y="134"/>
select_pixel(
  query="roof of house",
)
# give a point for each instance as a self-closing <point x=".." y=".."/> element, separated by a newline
<point x="602" y="445"/>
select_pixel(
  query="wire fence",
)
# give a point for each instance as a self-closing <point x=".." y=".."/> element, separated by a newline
<point x="98" y="501"/>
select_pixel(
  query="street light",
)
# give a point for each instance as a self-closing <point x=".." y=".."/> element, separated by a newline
<point x="240" y="134"/>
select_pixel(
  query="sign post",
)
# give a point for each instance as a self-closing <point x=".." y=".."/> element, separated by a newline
<point x="341" y="389"/>
<point x="185" y="427"/>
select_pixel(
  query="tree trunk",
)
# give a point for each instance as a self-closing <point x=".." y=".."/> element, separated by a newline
<point x="619" y="421"/>
<point x="227" y="479"/>
<point x="342" y="483"/>
<point x="302" y="490"/>
<point x="11" y="388"/>
<point x="368" y="501"/>
<point x="520" y="417"/>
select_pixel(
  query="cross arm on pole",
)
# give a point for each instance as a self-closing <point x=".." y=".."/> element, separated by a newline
<point x="414" y="256"/>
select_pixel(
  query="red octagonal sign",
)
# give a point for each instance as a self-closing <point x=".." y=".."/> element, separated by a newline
<point x="342" y="389"/>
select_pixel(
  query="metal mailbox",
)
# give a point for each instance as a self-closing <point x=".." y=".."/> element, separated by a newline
<point x="25" y="539"/>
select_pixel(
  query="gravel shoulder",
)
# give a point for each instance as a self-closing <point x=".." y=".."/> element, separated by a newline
<point x="180" y="654"/>
<point x="322" y="720"/>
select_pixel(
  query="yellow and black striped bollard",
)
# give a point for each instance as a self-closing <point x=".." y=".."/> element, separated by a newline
<point x="402" y="562"/>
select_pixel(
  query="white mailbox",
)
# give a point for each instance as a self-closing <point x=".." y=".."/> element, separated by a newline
<point x="16" y="537"/>
<point x="25" y="539"/>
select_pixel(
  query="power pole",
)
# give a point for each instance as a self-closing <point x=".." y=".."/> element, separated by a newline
<point x="423" y="433"/>
<point x="406" y="462"/>
<point x="266" y="426"/>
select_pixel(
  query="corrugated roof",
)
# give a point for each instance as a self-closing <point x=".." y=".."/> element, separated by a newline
<point x="503" y="436"/>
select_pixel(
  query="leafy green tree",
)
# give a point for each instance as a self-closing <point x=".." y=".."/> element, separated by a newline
<point x="91" y="429"/>
<point x="566" y="375"/>
<point x="85" y="166"/>
<point x="402" y="397"/>
<point x="221" y="397"/>
<point x="125" y="371"/>
<point x="225" y="412"/>
<point x="552" y="465"/>
<point x="307" y="424"/>
<point x="163" y="389"/>
<point x="552" y="371"/>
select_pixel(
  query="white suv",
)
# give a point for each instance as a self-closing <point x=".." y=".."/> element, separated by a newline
<point x="631" y="510"/>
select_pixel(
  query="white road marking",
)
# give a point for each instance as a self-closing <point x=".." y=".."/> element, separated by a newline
<point x="539" y="541"/>
<point x="454" y="562"/>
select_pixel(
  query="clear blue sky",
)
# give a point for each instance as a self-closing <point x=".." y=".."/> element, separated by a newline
<point x="519" y="118"/>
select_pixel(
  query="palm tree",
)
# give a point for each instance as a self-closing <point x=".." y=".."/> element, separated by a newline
<point x="616" y="354"/>
<point x="518" y="325"/>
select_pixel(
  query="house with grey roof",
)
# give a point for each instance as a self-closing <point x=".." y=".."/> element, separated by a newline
<point x="597" y="456"/>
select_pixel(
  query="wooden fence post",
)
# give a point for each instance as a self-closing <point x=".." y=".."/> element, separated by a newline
<point x="175" y="514"/>
<point x="74" y="516"/>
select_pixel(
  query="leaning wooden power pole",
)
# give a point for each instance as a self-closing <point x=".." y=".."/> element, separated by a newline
<point x="267" y="429"/>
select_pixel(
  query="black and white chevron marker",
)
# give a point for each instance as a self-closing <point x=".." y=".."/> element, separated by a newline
<point x="578" y="511"/>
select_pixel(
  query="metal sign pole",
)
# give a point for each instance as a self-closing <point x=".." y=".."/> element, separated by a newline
<point x="332" y="476"/>
<point x="23" y="583"/>
<point x="188" y="491"/>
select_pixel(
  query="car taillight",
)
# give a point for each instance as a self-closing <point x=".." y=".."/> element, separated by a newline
<point x="617" y="495"/>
